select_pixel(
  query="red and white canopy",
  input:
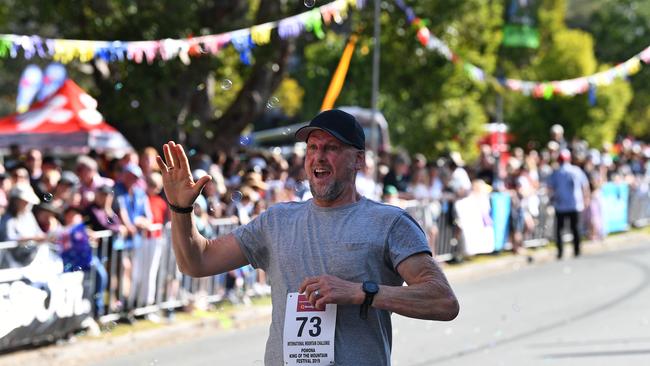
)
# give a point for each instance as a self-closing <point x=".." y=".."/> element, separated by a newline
<point x="68" y="121"/>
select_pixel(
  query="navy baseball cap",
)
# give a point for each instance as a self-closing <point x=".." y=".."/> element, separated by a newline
<point x="343" y="126"/>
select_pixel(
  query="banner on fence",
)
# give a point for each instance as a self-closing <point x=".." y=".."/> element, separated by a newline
<point x="615" y="203"/>
<point x="500" y="215"/>
<point x="39" y="307"/>
<point x="473" y="214"/>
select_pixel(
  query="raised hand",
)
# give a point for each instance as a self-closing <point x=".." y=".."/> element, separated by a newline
<point x="180" y="188"/>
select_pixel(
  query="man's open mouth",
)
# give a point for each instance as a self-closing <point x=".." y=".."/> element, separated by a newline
<point x="321" y="173"/>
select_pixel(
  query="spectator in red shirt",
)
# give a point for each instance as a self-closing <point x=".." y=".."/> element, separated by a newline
<point x="159" y="211"/>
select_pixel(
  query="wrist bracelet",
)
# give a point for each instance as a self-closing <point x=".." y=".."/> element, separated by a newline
<point x="183" y="210"/>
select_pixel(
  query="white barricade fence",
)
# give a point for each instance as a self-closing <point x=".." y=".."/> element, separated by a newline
<point x="146" y="279"/>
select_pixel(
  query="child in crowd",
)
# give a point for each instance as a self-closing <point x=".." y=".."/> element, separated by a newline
<point x="76" y="252"/>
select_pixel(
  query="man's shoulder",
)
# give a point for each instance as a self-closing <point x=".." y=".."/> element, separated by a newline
<point x="578" y="171"/>
<point x="561" y="171"/>
<point x="375" y="209"/>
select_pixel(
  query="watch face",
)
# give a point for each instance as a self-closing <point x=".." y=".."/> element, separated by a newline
<point x="370" y="287"/>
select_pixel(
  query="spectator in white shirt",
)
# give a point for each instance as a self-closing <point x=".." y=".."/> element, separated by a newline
<point x="460" y="183"/>
<point x="365" y="182"/>
<point x="419" y="185"/>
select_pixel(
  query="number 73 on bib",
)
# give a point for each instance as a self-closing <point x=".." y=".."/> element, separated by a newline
<point x="308" y="332"/>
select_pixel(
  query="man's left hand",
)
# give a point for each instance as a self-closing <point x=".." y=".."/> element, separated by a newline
<point x="327" y="289"/>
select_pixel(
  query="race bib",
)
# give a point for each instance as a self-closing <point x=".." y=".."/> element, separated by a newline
<point x="308" y="332"/>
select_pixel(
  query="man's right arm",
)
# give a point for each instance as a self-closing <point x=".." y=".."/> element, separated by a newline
<point x="199" y="257"/>
<point x="195" y="255"/>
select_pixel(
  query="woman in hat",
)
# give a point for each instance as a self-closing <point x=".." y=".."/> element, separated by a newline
<point x="19" y="224"/>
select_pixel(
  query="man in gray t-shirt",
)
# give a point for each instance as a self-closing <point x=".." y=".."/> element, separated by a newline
<point x="338" y="253"/>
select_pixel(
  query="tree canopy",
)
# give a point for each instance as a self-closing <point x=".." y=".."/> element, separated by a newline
<point x="622" y="27"/>
<point x="565" y="53"/>
<point x="432" y="106"/>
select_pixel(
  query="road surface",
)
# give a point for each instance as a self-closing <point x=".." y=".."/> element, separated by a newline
<point x="592" y="310"/>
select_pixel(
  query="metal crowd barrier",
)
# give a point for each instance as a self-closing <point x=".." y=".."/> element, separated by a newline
<point x="436" y="220"/>
<point x="171" y="289"/>
<point x="10" y="271"/>
<point x="152" y="281"/>
<point x="639" y="205"/>
<point x="427" y="214"/>
<point x="543" y="224"/>
<point x="449" y="238"/>
<point x="161" y="286"/>
<point x="447" y="246"/>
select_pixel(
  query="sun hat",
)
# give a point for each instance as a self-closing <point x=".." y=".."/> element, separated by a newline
<point x="25" y="193"/>
<point x="133" y="169"/>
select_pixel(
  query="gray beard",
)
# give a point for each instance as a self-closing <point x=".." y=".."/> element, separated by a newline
<point x="332" y="192"/>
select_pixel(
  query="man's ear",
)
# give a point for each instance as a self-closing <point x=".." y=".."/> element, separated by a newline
<point x="360" y="160"/>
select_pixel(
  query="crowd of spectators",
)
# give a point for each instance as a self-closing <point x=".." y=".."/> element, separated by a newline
<point x="523" y="175"/>
<point x="45" y="198"/>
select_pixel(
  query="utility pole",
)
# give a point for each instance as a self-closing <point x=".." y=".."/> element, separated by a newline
<point x="375" y="87"/>
<point x="500" y="132"/>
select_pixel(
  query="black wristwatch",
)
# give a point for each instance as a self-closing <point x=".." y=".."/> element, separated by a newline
<point x="371" y="289"/>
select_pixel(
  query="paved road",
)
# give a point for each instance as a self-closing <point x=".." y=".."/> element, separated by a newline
<point x="594" y="310"/>
<point x="591" y="311"/>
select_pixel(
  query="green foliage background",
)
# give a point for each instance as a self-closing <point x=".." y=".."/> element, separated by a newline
<point x="431" y="104"/>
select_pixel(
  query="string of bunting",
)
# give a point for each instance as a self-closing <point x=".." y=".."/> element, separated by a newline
<point x="243" y="40"/>
<point x="546" y="89"/>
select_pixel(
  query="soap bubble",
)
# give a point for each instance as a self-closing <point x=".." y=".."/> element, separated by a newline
<point x="237" y="196"/>
<point x="272" y="103"/>
<point x="226" y="84"/>
<point x="244" y="140"/>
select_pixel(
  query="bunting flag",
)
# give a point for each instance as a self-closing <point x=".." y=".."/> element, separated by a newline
<point x="536" y="89"/>
<point x="243" y="40"/>
<point x="339" y="75"/>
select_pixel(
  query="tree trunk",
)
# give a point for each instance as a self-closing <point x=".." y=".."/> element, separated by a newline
<point x="251" y="102"/>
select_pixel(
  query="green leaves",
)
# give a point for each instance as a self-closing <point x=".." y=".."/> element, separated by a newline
<point x="565" y="53"/>
<point x="622" y="27"/>
<point x="432" y="105"/>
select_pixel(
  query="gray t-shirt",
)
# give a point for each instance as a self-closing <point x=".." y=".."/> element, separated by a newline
<point x="361" y="241"/>
<point x="567" y="184"/>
